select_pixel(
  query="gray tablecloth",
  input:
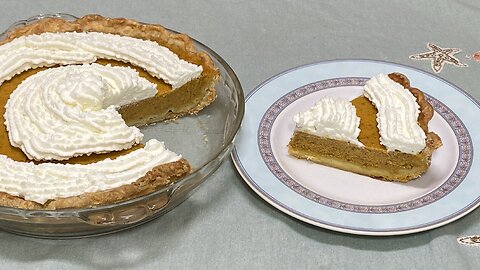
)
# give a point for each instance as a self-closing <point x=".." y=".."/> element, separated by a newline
<point x="224" y="225"/>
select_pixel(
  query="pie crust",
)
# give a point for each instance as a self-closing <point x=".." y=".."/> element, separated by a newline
<point x="373" y="159"/>
<point x="167" y="104"/>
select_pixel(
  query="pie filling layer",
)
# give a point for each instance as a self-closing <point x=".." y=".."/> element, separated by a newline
<point x="368" y="161"/>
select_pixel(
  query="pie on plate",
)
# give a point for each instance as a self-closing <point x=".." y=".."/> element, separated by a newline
<point x="72" y="94"/>
<point x="383" y="133"/>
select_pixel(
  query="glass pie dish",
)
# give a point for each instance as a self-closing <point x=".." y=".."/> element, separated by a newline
<point x="204" y="140"/>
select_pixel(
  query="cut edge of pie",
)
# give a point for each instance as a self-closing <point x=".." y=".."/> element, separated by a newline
<point x="371" y="160"/>
<point x="144" y="112"/>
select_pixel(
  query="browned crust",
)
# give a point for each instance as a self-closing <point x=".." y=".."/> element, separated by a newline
<point x="377" y="163"/>
<point x="159" y="176"/>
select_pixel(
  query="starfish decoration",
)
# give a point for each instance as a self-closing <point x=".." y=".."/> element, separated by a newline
<point x="439" y="56"/>
<point x="473" y="240"/>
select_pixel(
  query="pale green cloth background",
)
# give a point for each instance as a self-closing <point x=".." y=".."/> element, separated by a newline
<point x="224" y="225"/>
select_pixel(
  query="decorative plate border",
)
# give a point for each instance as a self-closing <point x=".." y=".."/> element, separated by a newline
<point x="461" y="170"/>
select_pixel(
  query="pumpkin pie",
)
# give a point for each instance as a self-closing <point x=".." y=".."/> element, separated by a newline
<point x="350" y="137"/>
<point x="171" y="100"/>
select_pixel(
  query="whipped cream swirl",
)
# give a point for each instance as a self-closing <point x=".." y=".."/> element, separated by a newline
<point x="50" y="49"/>
<point x="397" y="115"/>
<point x="45" y="181"/>
<point x="333" y="118"/>
<point x="70" y="111"/>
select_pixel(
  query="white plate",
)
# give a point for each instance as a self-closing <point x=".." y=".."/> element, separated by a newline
<point x="347" y="202"/>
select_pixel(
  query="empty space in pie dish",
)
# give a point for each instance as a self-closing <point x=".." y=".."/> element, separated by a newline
<point x="353" y="188"/>
<point x="197" y="138"/>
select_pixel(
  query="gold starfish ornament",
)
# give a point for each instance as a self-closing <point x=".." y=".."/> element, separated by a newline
<point x="472" y="240"/>
<point x="439" y="56"/>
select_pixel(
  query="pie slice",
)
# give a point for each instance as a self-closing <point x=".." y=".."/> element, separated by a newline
<point x="382" y="134"/>
<point x="100" y="178"/>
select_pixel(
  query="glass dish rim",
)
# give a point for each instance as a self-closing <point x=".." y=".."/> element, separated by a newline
<point x="229" y="139"/>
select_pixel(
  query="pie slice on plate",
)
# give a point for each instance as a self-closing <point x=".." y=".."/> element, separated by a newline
<point x="383" y="133"/>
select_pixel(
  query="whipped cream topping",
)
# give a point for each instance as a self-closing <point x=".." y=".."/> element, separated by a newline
<point x="331" y="118"/>
<point x="46" y="181"/>
<point x="397" y="115"/>
<point x="50" y="49"/>
<point x="70" y="111"/>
